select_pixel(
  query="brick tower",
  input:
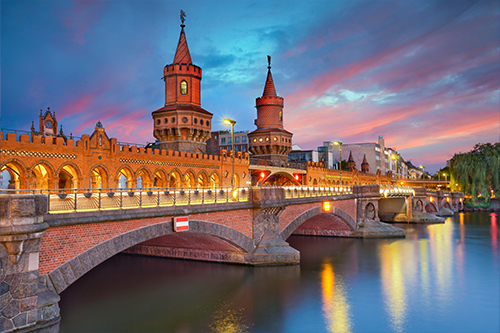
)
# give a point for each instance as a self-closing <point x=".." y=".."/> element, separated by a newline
<point x="270" y="141"/>
<point x="351" y="164"/>
<point x="182" y="124"/>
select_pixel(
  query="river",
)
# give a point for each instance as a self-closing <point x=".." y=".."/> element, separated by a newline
<point x="440" y="278"/>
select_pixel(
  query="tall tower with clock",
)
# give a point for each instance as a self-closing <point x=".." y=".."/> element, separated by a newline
<point x="182" y="124"/>
<point x="270" y="141"/>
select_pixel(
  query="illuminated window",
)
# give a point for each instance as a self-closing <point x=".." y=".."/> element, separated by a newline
<point x="281" y="115"/>
<point x="184" y="88"/>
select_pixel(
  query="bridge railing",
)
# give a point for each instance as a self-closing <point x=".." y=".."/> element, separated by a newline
<point x="396" y="191"/>
<point x="292" y="192"/>
<point x="80" y="200"/>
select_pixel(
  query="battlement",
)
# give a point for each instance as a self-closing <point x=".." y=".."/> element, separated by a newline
<point x="269" y="100"/>
<point x="88" y="145"/>
<point x="189" y="69"/>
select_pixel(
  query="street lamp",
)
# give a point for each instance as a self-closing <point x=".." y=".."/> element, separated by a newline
<point x="338" y="143"/>
<point x="395" y="158"/>
<point x="231" y="122"/>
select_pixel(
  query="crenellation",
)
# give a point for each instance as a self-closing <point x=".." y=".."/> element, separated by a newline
<point x="25" y="138"/>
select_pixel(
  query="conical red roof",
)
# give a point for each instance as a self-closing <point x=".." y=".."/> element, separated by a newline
<point x="182" y="55"/>
<point x="269" y="89"/>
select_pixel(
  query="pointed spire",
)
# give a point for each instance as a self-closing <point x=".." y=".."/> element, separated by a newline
<point x="182" y="55"/>
<point x="350" y="157"/>
<point x="269" y="89"/>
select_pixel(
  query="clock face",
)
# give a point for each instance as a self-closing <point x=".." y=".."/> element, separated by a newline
<point x="48" y="124"/>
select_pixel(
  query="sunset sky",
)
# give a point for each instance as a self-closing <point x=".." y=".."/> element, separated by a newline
<point x="424" y="74"/>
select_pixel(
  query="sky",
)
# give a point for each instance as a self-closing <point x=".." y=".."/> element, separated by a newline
<point x="423" y="74"/>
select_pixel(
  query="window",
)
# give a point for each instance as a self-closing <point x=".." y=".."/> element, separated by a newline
<point x="208" y="149"/>
<point x="236" y="148"/>
<point x="281" y="115"/>
<point x="243" y="139"/>
<point x="184" y="88"/>
<point x="376" y="157"/>
<point x="222" y="141"/>
<point x="237" y="139"/>
<point x="229" y="141"/>
<point x="244" y="148"/>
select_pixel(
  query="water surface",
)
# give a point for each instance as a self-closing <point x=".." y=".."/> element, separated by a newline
<point x="440" y="278"/>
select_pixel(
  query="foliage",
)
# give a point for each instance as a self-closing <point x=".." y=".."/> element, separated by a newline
<point x="477" y="172"/>
<point x="480" y="203"/>
<point x="442" y="174"/>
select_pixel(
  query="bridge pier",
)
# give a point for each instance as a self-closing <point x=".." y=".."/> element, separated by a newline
<point x="25" y="303"/>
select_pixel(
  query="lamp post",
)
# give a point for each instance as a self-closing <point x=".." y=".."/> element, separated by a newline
<point x="231" y="122"/>
<point x="338" y="143"/>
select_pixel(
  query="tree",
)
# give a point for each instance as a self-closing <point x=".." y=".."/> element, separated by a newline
<point x="477" y="172"/>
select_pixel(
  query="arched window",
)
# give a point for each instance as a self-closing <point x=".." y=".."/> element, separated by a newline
<point x="184" y="88"/>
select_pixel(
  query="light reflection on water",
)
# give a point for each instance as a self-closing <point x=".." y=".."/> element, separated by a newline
<point x="441" y="277"/>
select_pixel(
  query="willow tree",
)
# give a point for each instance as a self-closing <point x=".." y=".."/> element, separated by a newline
<point x="477" y="172"/>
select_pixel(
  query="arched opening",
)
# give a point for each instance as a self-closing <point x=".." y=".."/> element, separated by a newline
<point x="236" y="180"/>
<point x="315" y="182"/>
<point x="175" y="179"/>
<point x="160" y="179"/>
<point x="189" y="179"/>
<point x="143" y="179"/>
<point x="10" y="176"/>
<point x="370" y="211"/>
<point x="214" y="180"/>
<point x="98" y="178"/>
<point x="202" y="180"/>
<point x="68" y="177"/>
<point x="125" y="178"/>
<point x="39" y="177"/>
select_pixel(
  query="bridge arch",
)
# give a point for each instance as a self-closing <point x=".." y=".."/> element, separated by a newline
<point x="431" y="207"/>
<point x="175" y="179"/>
<point x="42" y="175"/>
<point x="202" y="179"/>
<point x="17" y="171"/>
<point x="129" y="174"/>
<point x="160" y="178"/>
<point x="99" y="176"/>
<point x="145" y="174"/>
<point x="215" y="179"/>
<point x="69" y="175"/>
<point x="299" y="220"/>
<point x="66" y="274"/>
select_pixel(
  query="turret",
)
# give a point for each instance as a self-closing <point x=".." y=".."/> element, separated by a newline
<point x="182" y="124"/>
<point x="270" y="141"/>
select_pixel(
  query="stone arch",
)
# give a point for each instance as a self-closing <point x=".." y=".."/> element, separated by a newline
<point x="99" y="176"/>
<point x="160" y="178"/>
<point x="42" y="175"/>
<point x="370" y="211"/>
<point x="431" y="207"/>
<point x="17" y="171"/>
<point x="69" y="175"/>
<point x="145" y="175"/>
<point x="315" y="182"/>
<point x="86" y="261"/>
<point x="189" y="179"/>
<point x="127" y="173"/>
<point x="202" y="179"/>
<point x="419" y="206"/>
<point x="215" y="179"/>
<point x="297" y="222"/>
<point x="175" y="179"/>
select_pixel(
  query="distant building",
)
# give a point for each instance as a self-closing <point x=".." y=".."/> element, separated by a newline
<point x="222" y="140"/>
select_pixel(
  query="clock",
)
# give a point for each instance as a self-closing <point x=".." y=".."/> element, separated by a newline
<point x="48" y="124"/>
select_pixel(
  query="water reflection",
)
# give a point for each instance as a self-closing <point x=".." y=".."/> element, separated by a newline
<point x="229" y="319"/>
<point x="494" y="234"/>
<point x="335" y="305"/>
<point x="393" y="283"/>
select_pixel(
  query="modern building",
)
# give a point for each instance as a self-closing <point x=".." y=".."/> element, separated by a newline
<point x="222" y="140"/>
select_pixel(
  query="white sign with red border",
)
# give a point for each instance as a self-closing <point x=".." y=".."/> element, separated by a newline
<point x="181" y="223"/>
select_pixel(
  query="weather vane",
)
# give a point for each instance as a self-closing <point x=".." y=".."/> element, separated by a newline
<point x="183" y="16"/>
<point x="269" y="61"/>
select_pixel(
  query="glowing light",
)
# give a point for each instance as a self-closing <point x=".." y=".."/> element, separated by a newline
<point x="326" y="206"/>
<point x="431" y="199"/>
<point x="448" y="199"/>
<point x="335" y="305"/>
<point x="297" y="177"/>
<point x="262" y="175"/>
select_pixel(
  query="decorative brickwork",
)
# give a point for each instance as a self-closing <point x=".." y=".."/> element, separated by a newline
<point x="36" y="154"/>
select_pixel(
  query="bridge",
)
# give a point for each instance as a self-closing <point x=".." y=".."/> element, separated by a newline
<point x="50" y="240"/>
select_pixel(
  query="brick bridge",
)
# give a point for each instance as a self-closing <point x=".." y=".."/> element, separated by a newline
<point x="50" y="241"/>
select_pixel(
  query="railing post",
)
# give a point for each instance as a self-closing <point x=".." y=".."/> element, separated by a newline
<point x="100" y="191"/>
<point x="76" y="205"/>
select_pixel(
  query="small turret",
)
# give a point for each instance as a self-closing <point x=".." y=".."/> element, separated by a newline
<point x="351" y="164"/>
<point x="365" y="167"/>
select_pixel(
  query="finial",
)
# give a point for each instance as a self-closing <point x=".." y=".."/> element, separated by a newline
<point x="99" y="124"/>
<point x="268" y="62"/>
<point x="40" y="112"/>
<point x="61" y="131"/>
<point x="183" y="18"/>
<point x="32" y="125"/>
